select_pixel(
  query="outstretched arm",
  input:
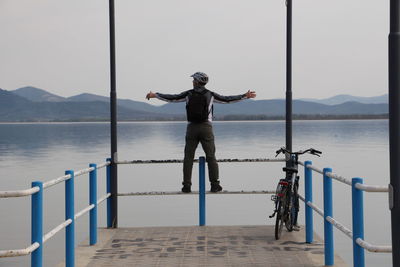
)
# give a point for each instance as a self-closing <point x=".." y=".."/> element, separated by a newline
<point x="233" y="98"/>
<point x="168" y="98"/>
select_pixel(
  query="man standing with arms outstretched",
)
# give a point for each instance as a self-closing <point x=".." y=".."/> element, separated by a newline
<point x="199" y="112"/>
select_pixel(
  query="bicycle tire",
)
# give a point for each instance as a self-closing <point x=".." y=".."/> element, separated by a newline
<point x="295" y="210"/>
<point x="290" y="212"/>
<point x="279" y="221"/>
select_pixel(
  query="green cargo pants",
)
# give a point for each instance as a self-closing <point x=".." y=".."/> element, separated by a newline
<point x="203" y="133"/>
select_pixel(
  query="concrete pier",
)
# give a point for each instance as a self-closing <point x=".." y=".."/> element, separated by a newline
<point x="201" y="246"/>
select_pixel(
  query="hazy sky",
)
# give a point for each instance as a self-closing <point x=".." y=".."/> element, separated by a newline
<point x="339" y="47"/>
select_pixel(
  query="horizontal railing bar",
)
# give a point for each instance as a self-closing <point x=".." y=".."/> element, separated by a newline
<point x="244" y="192"/>
<point x="252" y="160"/>
<point x="313" y="206"/>
<point x="331" y="220"/>
<point x="103" y="198"/>
<point x="364" y="187"/>
<point x="193" y="193"/>
<point x="156" y="193"/>
<point x="373" y="248"/>
<point x="56" y="181"/>
<point x="105" y="164"/>
<point x="340" y="227"/>
<point x="19" y="193"/>
<point x="77" y="173"/>
<point x="316" y="208"/>
<point x="196" y="160"/>
<point x="19" y="252"/>
<point x="82" y="172"/>
<point x="56" y="230"/>
<point x="152" y="161"/>
<point x="88" y="208"/>
<point x="372" y="188"/>
<point x="315" y="169"/>
<point x="338" y="178"/>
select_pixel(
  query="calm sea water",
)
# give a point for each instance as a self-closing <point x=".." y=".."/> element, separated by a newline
<point x="30" y="152"/>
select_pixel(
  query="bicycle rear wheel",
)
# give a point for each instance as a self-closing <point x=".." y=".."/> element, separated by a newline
<point x="279" y="220"/>
<point x="291" y="212"/>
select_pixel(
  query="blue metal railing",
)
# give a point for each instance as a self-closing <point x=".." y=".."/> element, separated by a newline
<point x="358" y="187"/>
<point x="202" y="191"/>
<point x="357" y="232"/>
<point x="36" y="192"/>
<point x="202" y="187"/>
<point x="37" y="225"/>
<point x="37" y="237"/>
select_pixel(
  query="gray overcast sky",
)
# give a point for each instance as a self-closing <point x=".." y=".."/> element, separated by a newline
<point x="339" y="47"/>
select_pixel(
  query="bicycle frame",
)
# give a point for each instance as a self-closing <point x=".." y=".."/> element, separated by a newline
<point x="286" y="198"/>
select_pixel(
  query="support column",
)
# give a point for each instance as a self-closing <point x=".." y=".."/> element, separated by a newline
<point x="394" y="126"/>
<point x="113" y="112"/>
<point x="288" y="82"/>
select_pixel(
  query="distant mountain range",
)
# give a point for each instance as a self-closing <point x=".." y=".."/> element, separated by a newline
<point x="34" y="104"/>
<point x="340" y="99"/>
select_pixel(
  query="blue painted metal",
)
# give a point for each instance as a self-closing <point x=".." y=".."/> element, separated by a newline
<point x="358" y="222"/>
<point x="70" y="214"/>
<point x="93" y="200"/>
<point x="328" y="227"/>
<point x="108" y="186"/>
<point x="37" y="225"/>
<point x="308" y="197"/>
<point x="202" y="191"/>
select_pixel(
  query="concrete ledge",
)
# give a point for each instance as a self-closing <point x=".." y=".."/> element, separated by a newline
<point x="201" y="246"/>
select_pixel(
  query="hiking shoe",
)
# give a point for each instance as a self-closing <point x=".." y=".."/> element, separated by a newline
<point x="216" y="188"/>
<point x="296" y="228"/>
<point x="186" y="189"/>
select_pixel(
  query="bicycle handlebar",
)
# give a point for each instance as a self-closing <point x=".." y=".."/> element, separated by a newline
<point x="300" y="152"/>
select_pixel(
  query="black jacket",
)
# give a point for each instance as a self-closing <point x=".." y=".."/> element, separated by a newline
<point x="211" y="97"/>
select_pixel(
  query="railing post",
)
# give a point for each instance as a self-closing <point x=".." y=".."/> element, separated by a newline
<point x="70" y="214"/>
<point x="328" y="211"/>
<point x="308" y="198"/>
<point x="37" y="225"/>
<point x="93" y="200"/>
<point x="358" y="222"/>
<point x="108" y="188"/>
<point x="202" y="191"/>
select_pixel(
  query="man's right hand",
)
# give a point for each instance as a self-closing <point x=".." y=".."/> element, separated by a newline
<point x="150" y="95"/>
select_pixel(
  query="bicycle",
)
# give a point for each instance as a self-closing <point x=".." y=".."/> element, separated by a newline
<point x="286" y="198"/>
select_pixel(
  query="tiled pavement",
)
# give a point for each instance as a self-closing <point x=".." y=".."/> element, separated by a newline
<point x="201" y="246"/>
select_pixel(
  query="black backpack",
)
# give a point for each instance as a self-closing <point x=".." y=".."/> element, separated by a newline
<point x="197" y="107"/>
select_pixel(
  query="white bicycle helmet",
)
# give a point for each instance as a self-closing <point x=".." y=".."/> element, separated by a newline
<point x="200" y="77"/>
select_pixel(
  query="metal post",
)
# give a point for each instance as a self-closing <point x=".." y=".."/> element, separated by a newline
<point x="394" y="126"/>
<point x="69" y="214"/>
<point x="93" y="200"/>
<point x="202" y="191"/>
<point x="328" y="227"/>
<point x="37" y="225"/>
<point x="358" y="222"/>
<point x="113" y="113"/>
<point x="308" y="198"/>
<point x="108" y="188"/>
<point x="288" y="76"/>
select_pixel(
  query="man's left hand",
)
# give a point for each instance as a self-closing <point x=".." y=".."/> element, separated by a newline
<point x="251" y="94"/>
